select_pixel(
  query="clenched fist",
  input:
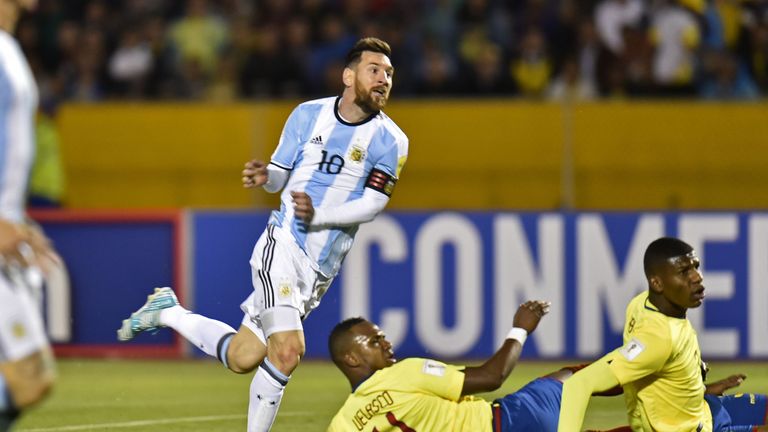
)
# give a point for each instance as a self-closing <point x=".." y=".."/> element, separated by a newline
<point x="254" y="174"/>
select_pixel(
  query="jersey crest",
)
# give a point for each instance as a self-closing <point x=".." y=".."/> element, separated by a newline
<point x="357" y="153"/>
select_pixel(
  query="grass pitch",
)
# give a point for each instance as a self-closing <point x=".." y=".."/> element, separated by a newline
<point x="200" y="395"/>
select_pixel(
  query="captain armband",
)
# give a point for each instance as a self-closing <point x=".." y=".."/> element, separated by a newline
<point x="380" y="181"/>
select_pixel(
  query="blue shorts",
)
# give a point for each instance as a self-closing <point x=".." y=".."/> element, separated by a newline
<point x="535" y="407"/>
<point x="737" y="413"/>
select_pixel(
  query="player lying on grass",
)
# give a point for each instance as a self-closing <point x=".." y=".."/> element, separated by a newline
<point x="419" y="394"/>
<point x="742" y="412"/>
<point x="660" y="365"/>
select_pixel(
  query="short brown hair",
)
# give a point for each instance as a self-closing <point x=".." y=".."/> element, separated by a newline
<point x="367" y="44"/>
<point x="338" y="341"/>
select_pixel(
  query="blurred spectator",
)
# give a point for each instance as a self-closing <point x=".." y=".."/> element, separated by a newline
<point x="232" y="49"/>
<point x="587" y="52"/>
<point x="725" y="79"/>
<point x="564" y="36"/>
<point x="436" y="72"/>
<point x="637" y="64"/>
<point x="264" y="67"/>
<point x="487" y="75"/>
<point x="334" y="41"/>
<point x="297" y="49"/>
<point x="570" y="86"/>
<point x="612" y="16"/>
<point x="198" y="39"/>
<point x="532" y="67"/>
<point x="612" y="19"/>
<point x="224" y="85"/>
<point x="485" y="16"/>
<point x="675" y="36"/>
<point x="192" y="80"/>
<point x="159" y="80"/>
<point x="131" y="63"/>
<point x="46" y="183"/>
<point x="723" y="20"/>
<point x="84" y="75"/>
<point x="438" y="24"/>
<point x="759" y="54"/>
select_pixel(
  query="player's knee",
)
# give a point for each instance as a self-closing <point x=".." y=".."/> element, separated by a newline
<point x="243" y="359"/>
<point x="287" y="355"/>
<point x="244" y="351"/>
<point x="33" y="390"/>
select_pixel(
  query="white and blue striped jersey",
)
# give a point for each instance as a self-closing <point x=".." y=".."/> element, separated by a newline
<point x="18" y="105"/>
<point x="330" y="160"/>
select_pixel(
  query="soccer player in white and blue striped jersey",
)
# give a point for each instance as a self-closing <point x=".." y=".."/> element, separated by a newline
<point x="26" y="362"/>
<point x="337" y="163"/>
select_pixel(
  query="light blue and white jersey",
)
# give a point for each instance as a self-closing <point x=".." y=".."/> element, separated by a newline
<point x="330" y="160"/>
<point x="18" y="106"/>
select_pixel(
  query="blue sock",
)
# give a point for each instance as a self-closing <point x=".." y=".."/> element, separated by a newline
<point x="5" y="397"/>
<point x="8" y="411"/>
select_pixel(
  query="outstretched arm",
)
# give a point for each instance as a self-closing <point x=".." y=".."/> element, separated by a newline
<point x="491" y="374"/>
<point x="577" y="390"/>
<point x="719" y="387"/>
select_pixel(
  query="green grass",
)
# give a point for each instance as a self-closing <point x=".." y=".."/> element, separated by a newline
<point x="149" y="396"/>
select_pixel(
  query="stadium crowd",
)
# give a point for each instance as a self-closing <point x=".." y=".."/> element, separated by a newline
<point x="92" y="50"/>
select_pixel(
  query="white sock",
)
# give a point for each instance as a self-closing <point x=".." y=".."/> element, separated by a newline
<point x="204" y="332"/>
<point x="267" y="390"/>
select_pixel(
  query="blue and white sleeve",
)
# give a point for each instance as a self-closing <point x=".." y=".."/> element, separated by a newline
<point x="290" y="142"/>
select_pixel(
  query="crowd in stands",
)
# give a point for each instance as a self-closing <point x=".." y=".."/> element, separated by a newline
<point x="224" y="50"/>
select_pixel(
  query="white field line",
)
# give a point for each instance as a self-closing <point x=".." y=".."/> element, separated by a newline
<point x="134" y="424"/>
<point x="139" y="423"/>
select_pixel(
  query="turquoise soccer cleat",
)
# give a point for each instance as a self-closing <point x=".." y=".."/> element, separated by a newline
<point x="148" y="316"/>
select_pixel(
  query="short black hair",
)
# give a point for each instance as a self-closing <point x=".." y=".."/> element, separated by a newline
<point x="336" y="339"/>
<point x="660" y="250"/>
<point x="367" y="44"/>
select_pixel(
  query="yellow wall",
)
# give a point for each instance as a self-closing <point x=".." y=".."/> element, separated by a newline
<point x="464" y="154"/>
<point x="146" y="155"/>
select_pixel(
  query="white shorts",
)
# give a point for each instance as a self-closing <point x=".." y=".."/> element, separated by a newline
<point x="22" y="332"/>
<point x="286" y="288"/>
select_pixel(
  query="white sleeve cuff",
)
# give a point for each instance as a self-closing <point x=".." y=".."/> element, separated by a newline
<point x="277" y="177"/>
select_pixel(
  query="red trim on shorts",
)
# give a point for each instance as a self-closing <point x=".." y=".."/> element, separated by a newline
<point x="496" y="412"/>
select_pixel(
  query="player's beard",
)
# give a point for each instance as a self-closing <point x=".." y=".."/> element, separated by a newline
<point x="369" y="101"/>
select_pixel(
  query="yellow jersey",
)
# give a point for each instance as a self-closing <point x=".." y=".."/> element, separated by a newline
<point x="659" y="367"/>
<point x="414" y="395"/>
